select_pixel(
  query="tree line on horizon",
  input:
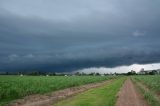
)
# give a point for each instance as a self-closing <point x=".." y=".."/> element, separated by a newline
<point x="41" y="73"/>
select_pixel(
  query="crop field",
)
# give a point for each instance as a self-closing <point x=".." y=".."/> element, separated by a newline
<point x="150" y="87"/>
<point x="14" y="87"/>
<point x="141" y="90"/>
<point x="152" y="81"/>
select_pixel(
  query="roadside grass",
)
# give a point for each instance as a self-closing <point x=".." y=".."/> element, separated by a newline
<point x="148" y="94"/>
<point x="15" y="87"/>
<point x="101" y="96"/>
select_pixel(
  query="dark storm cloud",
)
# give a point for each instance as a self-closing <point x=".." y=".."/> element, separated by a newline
<point x="67" y="35"/>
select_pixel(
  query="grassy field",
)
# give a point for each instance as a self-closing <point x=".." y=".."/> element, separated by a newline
<point x="152" y="81"/>
<point x="150" y="87"/>
<point x="14" y="87"/>
<point x="102" y="96"/>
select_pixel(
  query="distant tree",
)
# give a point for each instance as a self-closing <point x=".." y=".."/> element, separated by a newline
<point x="7" y="73"/>
<point x="83" y="74"/>
<point x="115" y="73"/>
<point x="131" y="73"/>
<point x="106" y="74"/>
<point x="78" y="73"/>
<point x="19" y="73"/>
<point x="52" y="74"/>
<point x="36" y="73"/>
<point x="97" y="74"/>
<point x="60" y="74"/>
<point x="153" y="72"/>
<point x="92" y="73"/>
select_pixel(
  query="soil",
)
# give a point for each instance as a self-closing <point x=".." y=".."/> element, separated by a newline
<point x="52" y="98"/>
<point x="130" y="96"/>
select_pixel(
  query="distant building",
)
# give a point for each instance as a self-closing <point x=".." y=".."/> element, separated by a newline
<point x="150" y="72"/>
<point x="158" y="71"/>
<point x="142" y="69"/>
<point x="143" y="72"/>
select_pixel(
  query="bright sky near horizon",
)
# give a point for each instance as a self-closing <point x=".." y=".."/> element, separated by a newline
<point x="121" y="69"/>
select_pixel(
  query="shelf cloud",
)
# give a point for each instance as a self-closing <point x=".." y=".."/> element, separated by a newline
<point x="64" y="36"/>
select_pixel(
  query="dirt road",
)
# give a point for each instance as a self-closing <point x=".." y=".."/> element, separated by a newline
<point x="129" y="96"/>
<point x="48" y="100"/>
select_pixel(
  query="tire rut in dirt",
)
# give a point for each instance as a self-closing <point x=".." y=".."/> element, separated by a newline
<point x="129" y="96"/>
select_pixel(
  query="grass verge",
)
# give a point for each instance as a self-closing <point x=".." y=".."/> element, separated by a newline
<point x="147" y="93"/>
<point x="102" y="96"/>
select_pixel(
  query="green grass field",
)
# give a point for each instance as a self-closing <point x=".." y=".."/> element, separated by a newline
<point x="151" y="81"/>
<point x="14" y="87"/>
<point x="149" y="85"/>
<point x="102" y="96"/>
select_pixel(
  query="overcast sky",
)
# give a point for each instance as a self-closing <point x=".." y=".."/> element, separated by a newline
<point x="68" y="35"/>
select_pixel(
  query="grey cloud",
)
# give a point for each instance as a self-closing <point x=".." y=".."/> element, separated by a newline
<point x="67" y="35"/>
<point x="138" y="33"/>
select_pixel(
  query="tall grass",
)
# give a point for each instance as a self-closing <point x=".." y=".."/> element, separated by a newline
<point x="151" y="81"/>
<point x="149" y="86"/>
<point x="13" y="87"/>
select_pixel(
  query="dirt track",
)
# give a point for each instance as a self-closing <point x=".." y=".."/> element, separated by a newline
<point x="48" y="100"/>
<point x="129" y="96"/>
